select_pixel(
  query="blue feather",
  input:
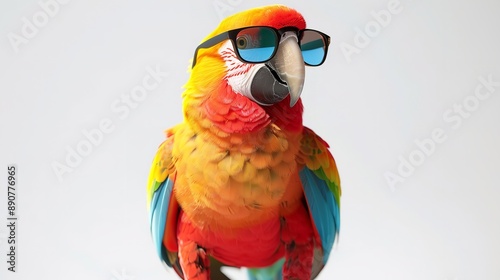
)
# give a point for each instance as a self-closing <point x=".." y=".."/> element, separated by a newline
<point x="158" y="216"/>
<point x="272" y="272"/>
<point x="323" y="208"/>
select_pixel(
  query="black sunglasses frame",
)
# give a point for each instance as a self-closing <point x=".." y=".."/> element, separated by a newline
<point x="231" y="35"/>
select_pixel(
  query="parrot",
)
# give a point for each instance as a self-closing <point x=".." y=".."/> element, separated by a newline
<point x="241" y="182"/>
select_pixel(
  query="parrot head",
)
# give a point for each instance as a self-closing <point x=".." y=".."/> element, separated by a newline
<point x="259" y="54"/>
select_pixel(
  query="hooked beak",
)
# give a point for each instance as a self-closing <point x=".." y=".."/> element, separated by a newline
<point x="283" y="75"/>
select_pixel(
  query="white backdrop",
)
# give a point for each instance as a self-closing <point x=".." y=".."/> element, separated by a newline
<point x="413" y="97"/>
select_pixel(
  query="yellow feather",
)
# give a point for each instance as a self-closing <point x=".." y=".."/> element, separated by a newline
<point x="260" y="159"/>
<point x="232" y="164"/>
<point x="249" y="171"/>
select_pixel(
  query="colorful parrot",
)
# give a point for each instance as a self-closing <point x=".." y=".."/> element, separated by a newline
<point x="241" y="182"/>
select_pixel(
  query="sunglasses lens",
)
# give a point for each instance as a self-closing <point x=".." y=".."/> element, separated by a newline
<point x="256" y="44"/>
<point x="313" y="47"/>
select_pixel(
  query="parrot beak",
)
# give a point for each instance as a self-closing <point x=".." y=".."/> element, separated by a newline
<point x="283" y="75"/>
<point x="290" y="67"/>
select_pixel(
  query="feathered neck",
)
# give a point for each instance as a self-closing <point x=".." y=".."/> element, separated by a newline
<point x="227" y="115"/>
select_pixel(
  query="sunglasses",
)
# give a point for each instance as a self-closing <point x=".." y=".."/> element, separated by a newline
<point x="259" y="44"/>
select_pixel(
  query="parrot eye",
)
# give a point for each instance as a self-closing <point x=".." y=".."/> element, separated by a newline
<point x="241" y="42"/>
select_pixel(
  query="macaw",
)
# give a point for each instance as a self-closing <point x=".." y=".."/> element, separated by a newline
<point x="241" y="182"/>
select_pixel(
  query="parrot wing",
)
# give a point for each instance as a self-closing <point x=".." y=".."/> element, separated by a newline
<point x="321" y="184"/>
<point x="162" y="205"/>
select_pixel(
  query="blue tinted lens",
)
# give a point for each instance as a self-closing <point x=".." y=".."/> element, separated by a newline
<point x="256" y="44"/>
<point x="313" y="56"/>
<point x="313" y="47"/>
<point x="257" y="54"/>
